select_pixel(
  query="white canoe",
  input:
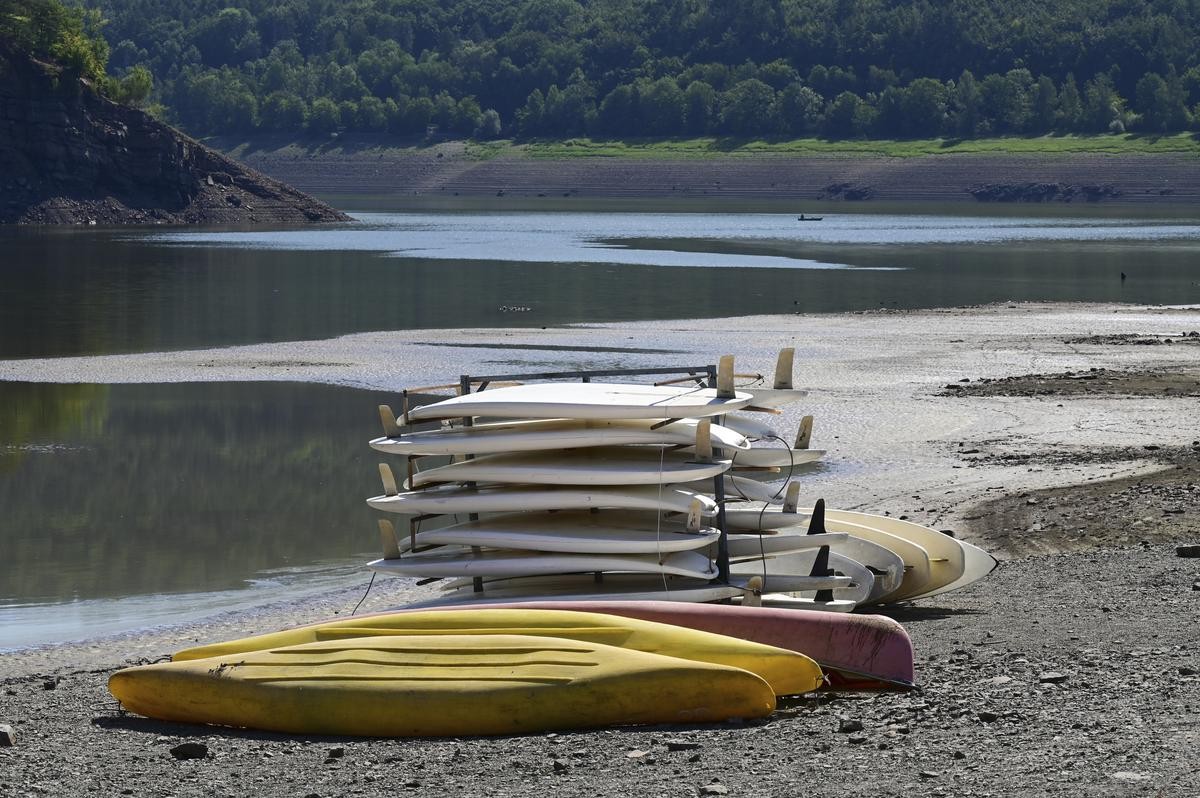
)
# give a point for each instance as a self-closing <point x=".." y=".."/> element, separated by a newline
<point x="585" y="400"/>
<point x="553" y="434"/>
<point x="579" y="532"/>
<point x="455" y="499"/>
<point x="507" y="563"/>
<point x="599" y="466"/>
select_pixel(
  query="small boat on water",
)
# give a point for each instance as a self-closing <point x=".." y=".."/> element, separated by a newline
<point x="803" y="218"/>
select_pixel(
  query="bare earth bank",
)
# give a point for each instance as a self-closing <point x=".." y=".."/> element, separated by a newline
<point x="446" y="171"/>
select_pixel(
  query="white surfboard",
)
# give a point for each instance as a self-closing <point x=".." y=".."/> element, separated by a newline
<point x="947" y="558"/>
<point x="798" y="601"/>
<point x="921" y="572"/>
<point x="885" y="565"/>
<point x="553" y="434"/>
<point x="773" y="398"/>
<point x="455" y="499"/>
<point x="598" y="466"/>
<point x="753" y="428"/>
<point x="579" y="532"/>
<point x="739" y="488"/>
<point x="768" y="457"/>
<point x="977" y="564"/>
<point x="613" y="587"/>
<point x="508" y="563"/>
<point x="789" y="573"/>
<point x="750" y="547"/>
<point x="590" y="400"/>
<point x="945" y="552"/>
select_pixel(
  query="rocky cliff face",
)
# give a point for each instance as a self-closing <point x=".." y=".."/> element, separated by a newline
<point x="68" y="155"/>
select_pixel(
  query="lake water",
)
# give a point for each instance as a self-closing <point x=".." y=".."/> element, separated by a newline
<point x="90" y="291"/>
<point x="130" y="505"/>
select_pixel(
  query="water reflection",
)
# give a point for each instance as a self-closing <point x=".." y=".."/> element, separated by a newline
<point x="69" y="292"/>
<point x="138" y="490"/>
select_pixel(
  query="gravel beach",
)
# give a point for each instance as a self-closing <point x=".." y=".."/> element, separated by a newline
<point x="1074" y="669"/>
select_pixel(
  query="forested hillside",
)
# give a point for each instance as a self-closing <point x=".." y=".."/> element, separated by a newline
<point x="666" y="68"/>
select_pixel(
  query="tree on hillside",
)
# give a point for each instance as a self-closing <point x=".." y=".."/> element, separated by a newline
<point x="627" y="67"/>
<point x="745" y="107"/>
<point x="71" y="37"/>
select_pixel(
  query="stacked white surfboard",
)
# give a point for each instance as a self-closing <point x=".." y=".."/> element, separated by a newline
<point x="601" y="490"/>
<point x="578" y="490"/>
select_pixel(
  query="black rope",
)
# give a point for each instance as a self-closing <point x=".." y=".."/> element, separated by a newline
<point x="364" y="595"/>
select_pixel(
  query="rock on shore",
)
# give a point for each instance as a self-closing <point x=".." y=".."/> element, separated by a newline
<point x="68" y="155"/>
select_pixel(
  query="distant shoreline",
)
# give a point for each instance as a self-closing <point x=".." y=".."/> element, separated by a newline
<point x="507" y="174"/>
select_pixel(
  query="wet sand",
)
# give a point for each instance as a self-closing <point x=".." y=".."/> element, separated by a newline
<point x="1071" y="670"/>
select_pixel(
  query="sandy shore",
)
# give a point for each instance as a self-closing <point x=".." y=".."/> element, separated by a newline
<point x="1071" y="670"/>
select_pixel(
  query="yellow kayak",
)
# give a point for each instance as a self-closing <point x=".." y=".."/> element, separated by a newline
<point x="441" y="685"/>
<point x="788" y="672"/>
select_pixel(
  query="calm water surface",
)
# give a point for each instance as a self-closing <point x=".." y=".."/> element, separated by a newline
<point x="87" y="291"/>
<point x="131" y="505"/>
<point x="119" y="498"/>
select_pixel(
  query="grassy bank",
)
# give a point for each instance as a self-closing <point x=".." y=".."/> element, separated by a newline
<point x="382" y="145"/>
<point x="722" y="147"/>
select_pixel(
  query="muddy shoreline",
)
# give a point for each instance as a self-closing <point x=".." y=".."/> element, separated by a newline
<point x="1074" y="669"/>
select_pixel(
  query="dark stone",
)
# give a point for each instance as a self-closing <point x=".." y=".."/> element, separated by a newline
<point x="847" y="725"/>
<point x="682" y="745"/>
<point x="337" y="753"/>
<point x="8" y="736"/>
<point x="1052" y="677"/>
<point x="190" y="751"/>
<point x="988" y="717"/>
<point x="1191" y="550"/>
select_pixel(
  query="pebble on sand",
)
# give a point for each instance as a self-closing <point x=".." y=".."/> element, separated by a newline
<point x="190" y="751"/>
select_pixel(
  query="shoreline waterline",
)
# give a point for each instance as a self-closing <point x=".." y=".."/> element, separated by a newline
<point x="890" y="437"/>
